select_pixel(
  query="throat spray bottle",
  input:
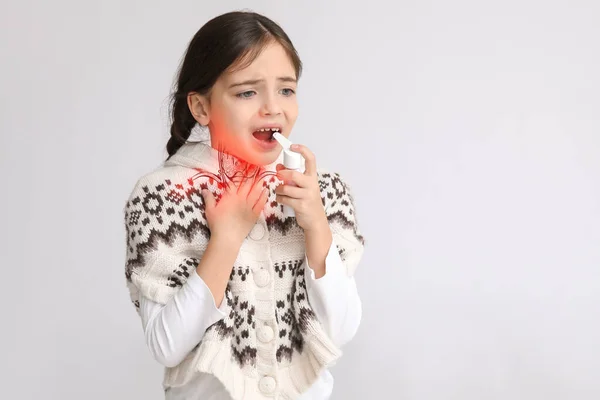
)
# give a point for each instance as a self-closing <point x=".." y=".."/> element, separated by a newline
<point x="291" y="160"/>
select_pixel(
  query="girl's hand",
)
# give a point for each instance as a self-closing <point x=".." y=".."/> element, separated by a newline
<point x="301" y="192"/>
<point x="236" y="212"/>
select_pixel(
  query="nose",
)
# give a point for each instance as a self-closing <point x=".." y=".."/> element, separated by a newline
<point x="270" y="106"/>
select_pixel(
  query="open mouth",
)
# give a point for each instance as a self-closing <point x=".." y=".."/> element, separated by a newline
<point x="265" y="134"/>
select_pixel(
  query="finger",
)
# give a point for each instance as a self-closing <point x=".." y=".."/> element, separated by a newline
<point x="291" y="191"/>
<point x="262" y="200"/>
<point x="209" y="200"/>
<point x="309" y="157"/>
<point x="279" y="167"/>
<point x="256" y="191"/>
<point x="288" y="201"/>
<point x="229" y="186"/>
<point x="246" y="185"/>
<point x="290" y="176"/>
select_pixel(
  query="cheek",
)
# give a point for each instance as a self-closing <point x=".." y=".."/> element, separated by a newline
<point x="292" y="105"/>
<point x="227" y="116"/>
<point x="218" y="112"/>
<point x="240" y="112"/>
<point x="292" y="112"/>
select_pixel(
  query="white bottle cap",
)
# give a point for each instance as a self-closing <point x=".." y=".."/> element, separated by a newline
<point x="291" y="159"/>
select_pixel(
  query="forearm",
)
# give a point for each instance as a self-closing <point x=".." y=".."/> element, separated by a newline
<point x="173" y="329"/>
<point x="317" y="243"/>
<point x="334" y="298"/>
<point x="216" y="265"/>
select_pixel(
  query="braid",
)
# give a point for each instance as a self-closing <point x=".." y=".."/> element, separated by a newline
<point x="183" y="122"/>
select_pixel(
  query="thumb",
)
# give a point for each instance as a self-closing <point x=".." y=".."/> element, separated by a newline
<point x="209" y="199"/>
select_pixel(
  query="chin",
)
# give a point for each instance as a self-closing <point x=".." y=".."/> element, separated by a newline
<point x="265" y="159"/>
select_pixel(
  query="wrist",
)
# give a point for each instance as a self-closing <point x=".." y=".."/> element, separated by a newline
<point x="320" y="228"/>
<point x="318" y="237"/>
<point x="226" y="242"/>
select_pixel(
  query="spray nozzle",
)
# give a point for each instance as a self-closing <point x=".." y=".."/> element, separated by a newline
<point x="291" y="159"/>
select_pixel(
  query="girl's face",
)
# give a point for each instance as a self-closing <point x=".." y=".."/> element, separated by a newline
<point x="262" y="95"/>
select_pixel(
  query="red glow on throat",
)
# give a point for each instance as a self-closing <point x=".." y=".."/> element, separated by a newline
<point x="233" y="169"/>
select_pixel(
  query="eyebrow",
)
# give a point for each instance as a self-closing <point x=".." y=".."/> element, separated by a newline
<point x="255" y="81"/>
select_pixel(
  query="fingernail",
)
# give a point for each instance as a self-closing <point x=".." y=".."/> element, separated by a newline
<point x="294" y="147"/>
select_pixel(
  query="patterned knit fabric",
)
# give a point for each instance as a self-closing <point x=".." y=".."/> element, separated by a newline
<point x="167" y="234"/>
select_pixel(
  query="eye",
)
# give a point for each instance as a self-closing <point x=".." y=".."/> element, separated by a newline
<point x="287" y="92"/>
<point x="246" y="95"/>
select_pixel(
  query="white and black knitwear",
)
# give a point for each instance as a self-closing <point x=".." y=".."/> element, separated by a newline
<point x="167" y="233"/>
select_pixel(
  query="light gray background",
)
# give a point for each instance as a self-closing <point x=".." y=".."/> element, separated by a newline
<point x="468" y="130"/>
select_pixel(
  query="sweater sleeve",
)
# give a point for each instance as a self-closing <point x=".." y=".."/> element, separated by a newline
<point x="166" y="236"/>
<point x="172" y="330"/>
<point x="334" y="298"/>
<point x="342" y="218"/>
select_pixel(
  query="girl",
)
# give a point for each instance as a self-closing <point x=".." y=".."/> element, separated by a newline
<point x="236" y="300"/>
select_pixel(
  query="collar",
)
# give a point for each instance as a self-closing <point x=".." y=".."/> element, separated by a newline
<point x="201" y="155"/>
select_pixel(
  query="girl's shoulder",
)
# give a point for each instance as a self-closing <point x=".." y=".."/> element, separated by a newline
<point x="166" y="172"/>
<point x="164" y="182"/>
<point x="333" y="186"/>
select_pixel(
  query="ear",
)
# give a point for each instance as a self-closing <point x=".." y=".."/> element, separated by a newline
<point x="199" y="107"/>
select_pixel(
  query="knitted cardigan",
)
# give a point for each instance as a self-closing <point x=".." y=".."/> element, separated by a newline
<point x="167" y="233"/>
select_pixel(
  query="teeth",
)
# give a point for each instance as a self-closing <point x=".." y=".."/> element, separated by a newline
<point x="269" y="129"/>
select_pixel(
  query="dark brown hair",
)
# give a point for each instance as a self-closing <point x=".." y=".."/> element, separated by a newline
<point x="225" y="43"/>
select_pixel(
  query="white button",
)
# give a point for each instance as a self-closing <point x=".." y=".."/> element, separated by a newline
<point x="261" y="277"/>
<point x="257" y="232"/>
<point x="265" y="334"/>
<point x="267" y="384"/>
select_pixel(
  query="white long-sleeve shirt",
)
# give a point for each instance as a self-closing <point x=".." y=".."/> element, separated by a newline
<point x="174" y="329"/>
